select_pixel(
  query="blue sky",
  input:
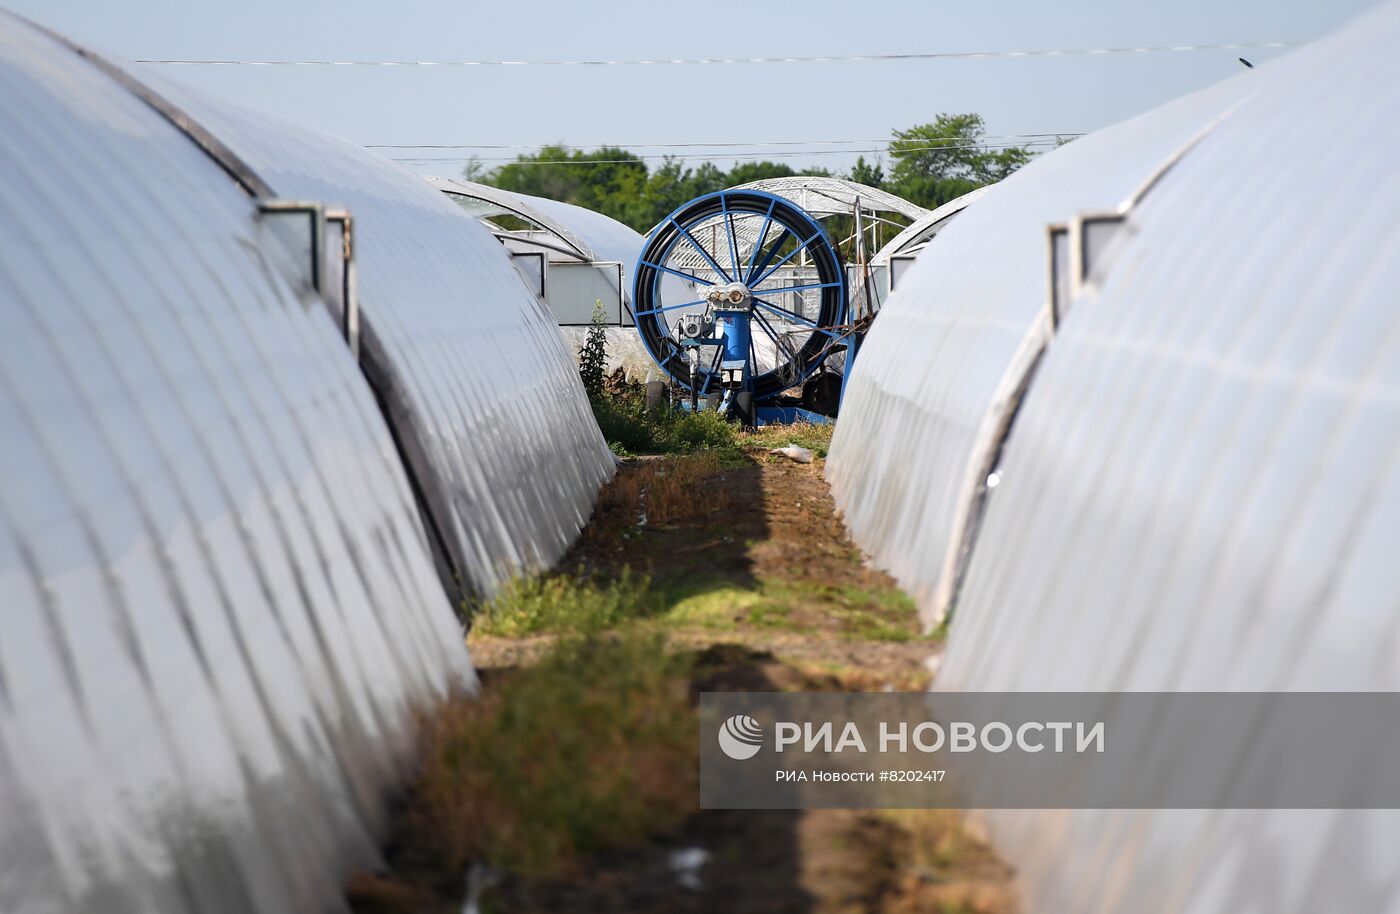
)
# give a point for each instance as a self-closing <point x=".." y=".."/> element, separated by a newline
<point x="685" y="104"/>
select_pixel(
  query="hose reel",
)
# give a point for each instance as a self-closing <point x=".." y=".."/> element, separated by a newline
<point x="740" y="290"/>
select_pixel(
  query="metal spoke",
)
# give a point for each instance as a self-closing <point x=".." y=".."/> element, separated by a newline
<point x="766" y="329"/>
<point x="772" y="252"/>
<point x="733" y="244"/>
<point x="681" y="273"/>
<point x="762" y="237"/>
<point x="820" y="285"/>
<point x="784" y="348"/>
<point x="684" y="304"/>
<point x="703" y="253"/>
<point x="795" y="251"/>
<point x="795" y="317"/>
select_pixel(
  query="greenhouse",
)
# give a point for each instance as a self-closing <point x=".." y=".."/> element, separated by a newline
<point x="1169" y="460"/>
<point x="249" y="446"/>
<point x="386" y="543"/>
<point x="570" y="256"/>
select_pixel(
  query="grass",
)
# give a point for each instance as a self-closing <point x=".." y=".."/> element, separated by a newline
<point x="861" y="614"/>
<point x="717" y="609"/>
<point x="816" y="438"/>
<point x="563" y="603"/>
<point x="590" y="749"/>
<point x="573" y="604"/>
<point x="630" y="428"/>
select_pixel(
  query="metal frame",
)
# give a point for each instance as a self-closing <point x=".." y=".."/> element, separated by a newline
<point x="228" y="160"/>
<point x="1057" y="232"/>
<point x="544" y="267"/>
<point x="889" y="268"/>
<point x="349" y="289"/>
<point x="623" y="312"/>
<point x="1079" y="229"/>
<point x="348" y="293"/>
<point x="513" y="205"/>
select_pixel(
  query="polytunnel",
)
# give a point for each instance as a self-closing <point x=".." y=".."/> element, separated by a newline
<point x="479" y="388"/>
<point x="571" y="256"/>
<point x="1201" y="491"/>
<point x="943" y="368"/>
<point x="899" y="253"/>
<point x="220" y="608"/>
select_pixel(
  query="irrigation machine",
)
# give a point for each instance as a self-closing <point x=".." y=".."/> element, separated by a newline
<point x="740" y="296"/>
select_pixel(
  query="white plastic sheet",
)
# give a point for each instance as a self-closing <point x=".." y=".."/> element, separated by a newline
<point x="219" y="607"/>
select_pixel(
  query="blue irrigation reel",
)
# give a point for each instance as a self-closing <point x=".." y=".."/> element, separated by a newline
<point x="740" y="297"/>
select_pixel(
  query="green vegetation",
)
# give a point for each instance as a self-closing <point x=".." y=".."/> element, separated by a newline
<point x="816" y="438"/>
<point x="930" y="164"/>
<point x="938" y="162"/>
<point x="590" y="748"/>
<point x="846" y="611"/>
<point x="563" y="603"/>
<point x="593" y="357"/>
<point x="576" y="764"/>
<point x="630" y="428"/>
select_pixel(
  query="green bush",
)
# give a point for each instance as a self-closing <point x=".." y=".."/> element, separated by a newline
<point x="630" y="428"/>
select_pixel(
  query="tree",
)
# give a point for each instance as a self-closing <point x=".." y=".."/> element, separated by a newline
<point x="744" y="172"/>
<point x="602" y="179"/>
<point x="935" y="163"/>
<point x="930" y="165"/>
<point x="871" y="174"/>
<point x="474" y="170"/>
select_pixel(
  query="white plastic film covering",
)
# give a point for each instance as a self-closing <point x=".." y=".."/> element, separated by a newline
<point x="603" y="236"/>
<point x="936" y="379"/>
<point x="925" y="228"/>
<point x="1201" y="491"/>
<point x="592" y="235"/>
<point x="485" y="393"/>
<point x="219" y="607"/>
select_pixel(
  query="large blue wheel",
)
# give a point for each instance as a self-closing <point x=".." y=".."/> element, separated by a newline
<point x="764" y="251"/>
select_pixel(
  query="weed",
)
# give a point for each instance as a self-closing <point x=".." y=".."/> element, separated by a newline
<point x="630" y="428"/>
<point x="659" y="492"/>
<point x="816" y="438"/>
<point x="590" y="749"/>
<point x="563" y="603"/>
<point x="593" y="357"/>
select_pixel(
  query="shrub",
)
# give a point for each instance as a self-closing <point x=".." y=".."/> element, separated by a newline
<point x="630" y="428"/>
<point x="593" y="357"/>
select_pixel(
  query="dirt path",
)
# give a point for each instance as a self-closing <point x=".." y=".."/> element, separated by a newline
<point x="747" y="550"/>
<point x="754" y="573"/>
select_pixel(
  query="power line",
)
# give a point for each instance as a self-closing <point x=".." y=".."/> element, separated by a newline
<point x="757" y="155"/>
<point x="845" y="58"/>
<point x="745" y="145"/>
